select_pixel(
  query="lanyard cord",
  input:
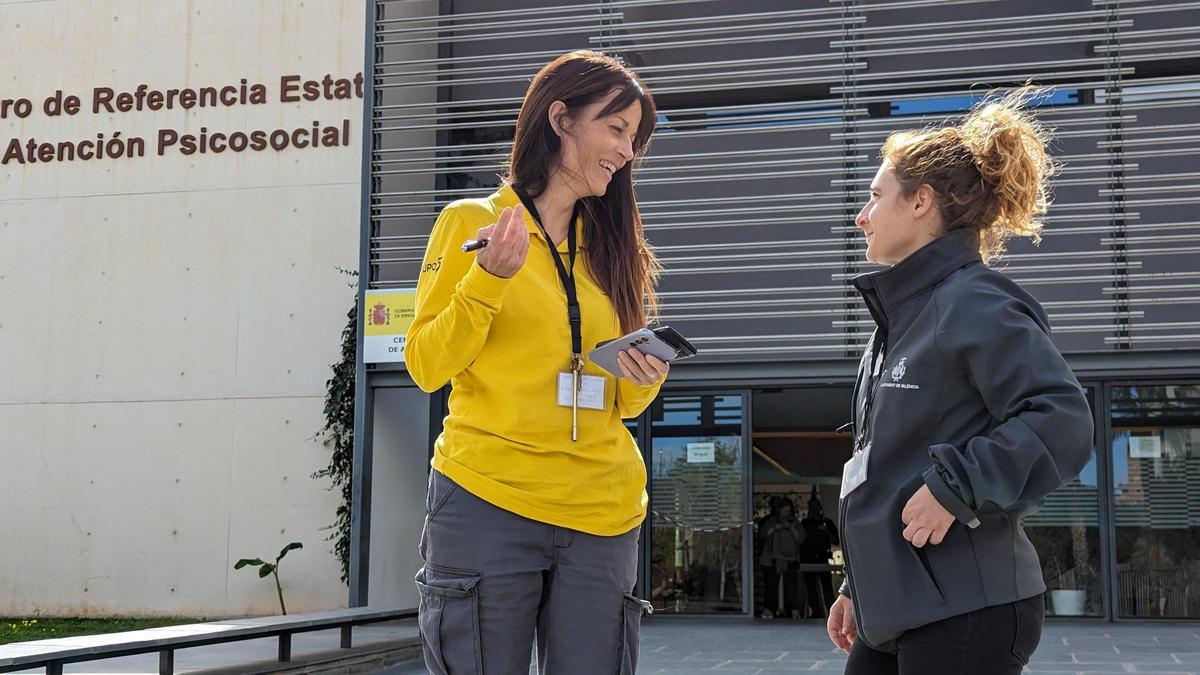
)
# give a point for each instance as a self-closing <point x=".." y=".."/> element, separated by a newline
<point x="574" y="316"/>
<point x="878" y="347"/>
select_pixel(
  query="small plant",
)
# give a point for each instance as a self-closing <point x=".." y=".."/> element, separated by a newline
<point x="265" y="568"/>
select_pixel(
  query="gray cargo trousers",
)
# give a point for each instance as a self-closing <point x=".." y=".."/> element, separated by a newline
<point x="493" y="582"/>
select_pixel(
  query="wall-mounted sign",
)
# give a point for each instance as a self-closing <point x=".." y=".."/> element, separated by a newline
<point x="116" y="144"/>
<point x="388" y="315"/>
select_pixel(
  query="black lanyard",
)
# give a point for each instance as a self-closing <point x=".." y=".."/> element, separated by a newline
<point x="878" y="347"/>
<point x="574" y="317"/>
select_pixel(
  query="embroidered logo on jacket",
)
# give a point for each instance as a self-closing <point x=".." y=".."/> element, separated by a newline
<point x="432" y="266"/>
<point x="898" y="372"/>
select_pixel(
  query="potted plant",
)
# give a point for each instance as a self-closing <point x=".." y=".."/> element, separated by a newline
<point x="1068" y="593"/>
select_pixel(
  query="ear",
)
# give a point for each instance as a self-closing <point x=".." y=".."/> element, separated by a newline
<point x="924" y="202"/>
<point x="557" y="116"/>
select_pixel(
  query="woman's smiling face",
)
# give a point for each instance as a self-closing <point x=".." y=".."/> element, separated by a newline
<point x="594" y="148"/>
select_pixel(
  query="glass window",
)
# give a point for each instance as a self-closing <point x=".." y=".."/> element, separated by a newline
<point x="1066" y="534"/>
<point x="697" y="495"/>
<point x="1156" y="495"/>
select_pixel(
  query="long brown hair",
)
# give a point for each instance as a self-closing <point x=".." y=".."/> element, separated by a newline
<point x="618" y="256"/>
<point x="990" y="172"/>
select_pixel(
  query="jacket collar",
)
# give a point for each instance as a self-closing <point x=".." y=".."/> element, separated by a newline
<point x="506" y="196"/>
<point x="920" y="271"/>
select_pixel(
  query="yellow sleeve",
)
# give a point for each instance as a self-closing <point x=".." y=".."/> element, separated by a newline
<point x="456" y="301"/>
<point x="632" y="399"/>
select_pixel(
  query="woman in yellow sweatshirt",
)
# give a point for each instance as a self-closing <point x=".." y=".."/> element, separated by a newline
<point x="537" y="489"/>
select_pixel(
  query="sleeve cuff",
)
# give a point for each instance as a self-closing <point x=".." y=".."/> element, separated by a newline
<point x="634" y="399"/>
<point x="950" y="501"/>
<point x="845" y="589"/>
<point x="484" y="285"/>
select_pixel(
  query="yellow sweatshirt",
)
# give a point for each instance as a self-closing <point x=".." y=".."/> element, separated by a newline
<point x="501" y="344"/>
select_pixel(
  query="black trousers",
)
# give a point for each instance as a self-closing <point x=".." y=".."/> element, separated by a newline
<point x="992" y="641"/>
<point x="791" y="589"/>
<point x="819" y="586"/>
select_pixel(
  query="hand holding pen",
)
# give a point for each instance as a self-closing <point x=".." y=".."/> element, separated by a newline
<point x="501" y="246"/>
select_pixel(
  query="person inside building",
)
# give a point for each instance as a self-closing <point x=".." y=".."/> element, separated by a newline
<point x="965" y="413"/>
<point x="770" y="577"/>
<point x="538" y="490"/>
<point x="820" y="536"/>
<point x="780" y="558"/>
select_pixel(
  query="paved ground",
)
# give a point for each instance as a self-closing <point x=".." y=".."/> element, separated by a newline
<point x="672" y="646"/>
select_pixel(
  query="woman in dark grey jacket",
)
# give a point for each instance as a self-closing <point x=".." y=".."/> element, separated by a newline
<point x="965" y="413"/>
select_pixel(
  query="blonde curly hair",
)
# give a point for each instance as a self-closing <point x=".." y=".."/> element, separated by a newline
<point x="990" y="172"/>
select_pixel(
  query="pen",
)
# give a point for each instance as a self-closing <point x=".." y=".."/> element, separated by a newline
<point x="473" y="245"/>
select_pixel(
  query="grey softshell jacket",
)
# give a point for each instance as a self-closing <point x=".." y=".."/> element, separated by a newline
<point x="971" y="398"/>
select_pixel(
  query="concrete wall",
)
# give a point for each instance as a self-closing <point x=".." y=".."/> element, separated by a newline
<point x="167" y="322"/>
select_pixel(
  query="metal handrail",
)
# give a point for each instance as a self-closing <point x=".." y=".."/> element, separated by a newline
<point x="146" y="641"/>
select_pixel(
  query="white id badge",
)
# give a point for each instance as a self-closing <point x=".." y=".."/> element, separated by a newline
<point x="591" y="391"/>
<point x="854" y="473"/>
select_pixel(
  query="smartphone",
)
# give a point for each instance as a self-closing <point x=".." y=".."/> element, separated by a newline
<point x="664" y="343"/>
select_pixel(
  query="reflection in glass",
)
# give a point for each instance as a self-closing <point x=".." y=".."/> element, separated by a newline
<point x="698" y="507"/>
<point x="1066" y="534"/>
<point x="1156" y="490"/>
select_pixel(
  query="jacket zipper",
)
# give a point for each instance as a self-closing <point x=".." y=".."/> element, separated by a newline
<point x="844" y="505"/>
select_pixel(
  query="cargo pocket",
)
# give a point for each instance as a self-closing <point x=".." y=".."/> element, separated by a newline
<point x="631" y="631"/>
<point x="1029" y="616"/>
<point x="448" y="617"/>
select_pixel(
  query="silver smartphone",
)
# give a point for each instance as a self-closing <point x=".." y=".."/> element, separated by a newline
<point x="645" y="341"/>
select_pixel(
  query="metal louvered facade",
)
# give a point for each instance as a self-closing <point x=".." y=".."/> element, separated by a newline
<point x="771" y="116"/>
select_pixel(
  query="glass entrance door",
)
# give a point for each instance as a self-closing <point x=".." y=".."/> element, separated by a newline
<point x="698" y="471"/>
